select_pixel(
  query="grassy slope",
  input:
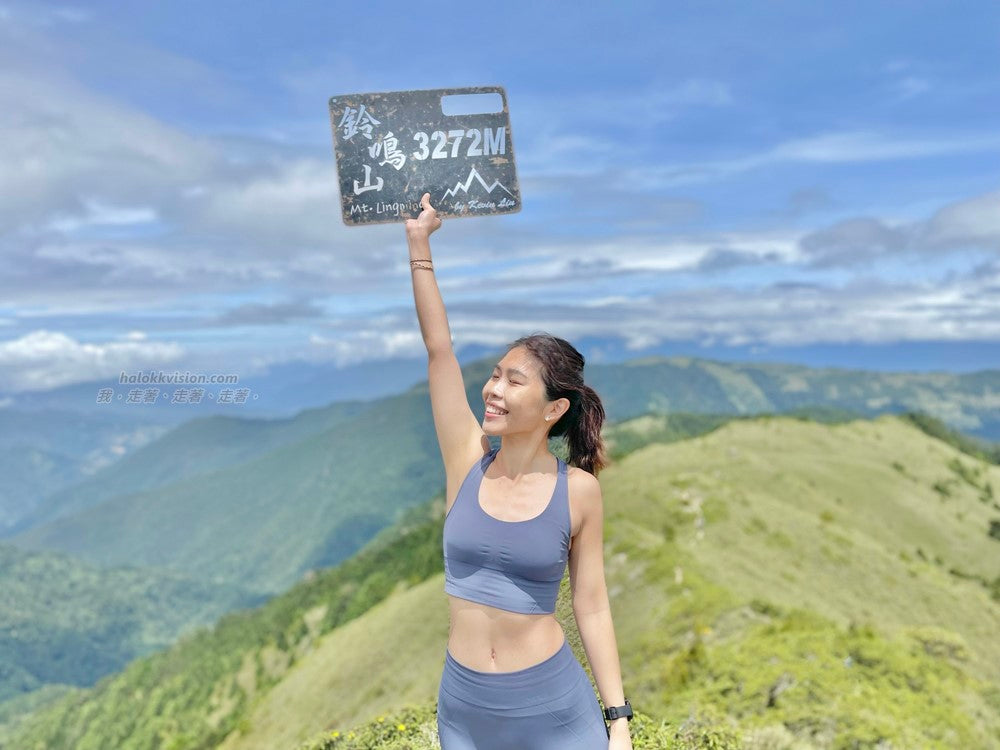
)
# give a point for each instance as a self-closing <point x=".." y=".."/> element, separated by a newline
<point x="773" y="536"/>
<point x="389" y="657"/>
<point x="724" y="618"/>
<point x="833" y="525"/>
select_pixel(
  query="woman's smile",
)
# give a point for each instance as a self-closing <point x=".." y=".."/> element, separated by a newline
<point x="494" y="411"/>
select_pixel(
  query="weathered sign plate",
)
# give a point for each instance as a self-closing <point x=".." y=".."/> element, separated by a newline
<point x="394" y="146"/>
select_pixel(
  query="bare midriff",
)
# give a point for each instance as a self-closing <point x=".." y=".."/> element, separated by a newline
<point x="488" y="639"/>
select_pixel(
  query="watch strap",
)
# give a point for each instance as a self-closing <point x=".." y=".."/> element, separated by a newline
<point x="619" y="712"/>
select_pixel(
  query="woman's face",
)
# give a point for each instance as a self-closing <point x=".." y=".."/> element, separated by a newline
<point x="515" y="396"/>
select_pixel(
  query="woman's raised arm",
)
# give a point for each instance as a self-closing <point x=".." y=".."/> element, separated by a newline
<point x="426" y="296"/>
<point x="460" y="435"/>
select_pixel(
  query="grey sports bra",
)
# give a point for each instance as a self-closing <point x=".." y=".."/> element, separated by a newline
<point x="511" y="565"/>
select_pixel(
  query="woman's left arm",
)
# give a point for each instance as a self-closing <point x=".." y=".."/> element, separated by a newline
<point x="591" y="606"/>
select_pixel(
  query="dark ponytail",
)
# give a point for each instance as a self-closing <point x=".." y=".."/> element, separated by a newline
<point x="561" y="367"/>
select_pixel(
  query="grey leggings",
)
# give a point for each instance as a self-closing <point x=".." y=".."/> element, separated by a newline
<point x="547" y="706"/>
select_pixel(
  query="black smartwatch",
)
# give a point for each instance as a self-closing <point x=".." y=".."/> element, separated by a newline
<point x="619" y="712"/>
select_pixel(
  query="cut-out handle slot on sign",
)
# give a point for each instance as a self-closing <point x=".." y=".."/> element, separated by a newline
<point x="471" y="104"/>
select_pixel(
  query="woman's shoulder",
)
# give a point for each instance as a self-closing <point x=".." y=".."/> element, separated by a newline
<point x="582" y="482"/>
<point x="586" y="505"/>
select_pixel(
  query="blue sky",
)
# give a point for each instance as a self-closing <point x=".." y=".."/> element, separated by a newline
<point x="755" y="178"/>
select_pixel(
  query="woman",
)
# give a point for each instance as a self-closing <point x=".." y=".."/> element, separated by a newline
<point x="515" y="517"/>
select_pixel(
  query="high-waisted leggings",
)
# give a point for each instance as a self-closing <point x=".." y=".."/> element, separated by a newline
<point x="547" y="706"/>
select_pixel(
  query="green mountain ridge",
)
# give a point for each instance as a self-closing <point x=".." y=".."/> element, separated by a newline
<point x="259" y="503"/>
<point x="71" y="624"/>
<point x="969" y="402"/>
<point x="266" y="521"/>
<point x="46" y="450"/>
<point x="27" y="472"/>
<point x="818" y="585"/>
<point x="195" y="447"/>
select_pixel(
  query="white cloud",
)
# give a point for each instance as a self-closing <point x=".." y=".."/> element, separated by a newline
<point x="974" y="222"/>
<point x="827" y="148"/>
<point x="862" y="146"/>
<point x="852" y="242"/>
<point x="586" y="264"/>
<point x="45" y="359"/>
<point x="78" y="166"/>
<point x="775" y="314"/>
<point x="67" y="152"/>
<point x="360" y="345"/>
<point x="296" y="204"/>
<point x="97" y="214"/>
<point x="171" y="211"/>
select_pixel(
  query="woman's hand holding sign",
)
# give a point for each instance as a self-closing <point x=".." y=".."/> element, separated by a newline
<point x="426" y="295"/>
<point x="425" y="224"/>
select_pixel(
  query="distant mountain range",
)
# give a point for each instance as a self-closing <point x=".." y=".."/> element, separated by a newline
<point x="260" y="502"/>
<point x="282" y="391"/>
<point x="45" y="450"/>
<point x="289" y="387"/>
<point x="286" y="389"/>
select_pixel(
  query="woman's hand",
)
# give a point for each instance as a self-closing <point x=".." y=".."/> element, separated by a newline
<point x="620" y="739"/>
<point x="425" y="224"/>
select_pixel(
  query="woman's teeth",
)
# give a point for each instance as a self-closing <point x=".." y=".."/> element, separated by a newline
<point x="490" y="409"/>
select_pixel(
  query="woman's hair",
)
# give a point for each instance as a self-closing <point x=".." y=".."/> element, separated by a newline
<point x="562" y="372"/>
